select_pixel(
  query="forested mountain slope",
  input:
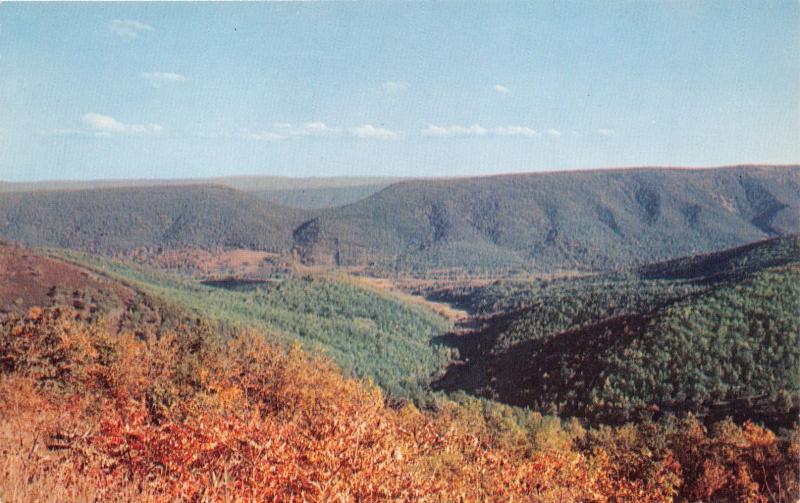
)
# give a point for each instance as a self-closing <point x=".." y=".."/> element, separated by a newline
<point x="614" y="345"/>
<point x="367" y="333"/>
<point x="108" y="220"/>
<point x="321" y="197"/>
<point x="752" y="256"/>
<point x="587" y="220"/>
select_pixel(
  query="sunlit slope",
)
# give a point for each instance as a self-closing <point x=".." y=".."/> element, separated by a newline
<point x="366" y="333"/>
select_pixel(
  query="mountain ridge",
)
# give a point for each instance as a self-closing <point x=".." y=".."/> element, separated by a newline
<point x="522" y="219"/>
<point x="589" y="220"/>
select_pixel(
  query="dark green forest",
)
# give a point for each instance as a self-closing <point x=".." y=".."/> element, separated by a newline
<point x="724" y="340"/>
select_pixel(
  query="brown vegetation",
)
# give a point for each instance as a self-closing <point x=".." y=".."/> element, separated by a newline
<point x="90" y="416"/>
<point x="28" y="279"/>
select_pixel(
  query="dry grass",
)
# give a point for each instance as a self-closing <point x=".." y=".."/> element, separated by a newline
<point x="387" y="286"/>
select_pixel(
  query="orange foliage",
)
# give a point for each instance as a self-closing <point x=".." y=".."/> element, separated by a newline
<point x="89" y="416"/>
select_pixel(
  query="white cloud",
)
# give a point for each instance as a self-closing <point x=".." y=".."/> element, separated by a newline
<point x="515" y="131"/>
<point x="288" y="131"/>
<point x="606" y="132"/>
<point x="373" y="132"/>
<point x="395" y="86"/>
<point x="500" y="88"/>
<point x="263" y="136"/>
<point x="317" y="128"/>
<point x="128" y="28"/>
<point x="157" y="79"/>
<point x="454" y="131"/>
<point x="321" y="129"/>
<point x="554" y="133"/>
<point x="307" y="129"/>
<point x="457" y="131"/>
<point x="104" y="125"/>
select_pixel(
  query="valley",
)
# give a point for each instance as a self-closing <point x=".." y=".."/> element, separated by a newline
<point x="538" y="342"/>
<point x="400" y="252"/>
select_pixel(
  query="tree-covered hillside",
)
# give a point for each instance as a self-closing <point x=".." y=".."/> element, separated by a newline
<point x="319" y="198"/>
<point x="368" y="334"/>
<point x="108" y="220"/>
<point x="612" y="345"/>
<point x="595" y="220"/>
<point x="584" y="220"/>
<point x="753" y="256"/>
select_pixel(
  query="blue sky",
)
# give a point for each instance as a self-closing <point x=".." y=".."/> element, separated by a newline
<point x="173" y="90"/>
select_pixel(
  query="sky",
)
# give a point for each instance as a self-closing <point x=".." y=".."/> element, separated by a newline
<point x="176" y="90"/>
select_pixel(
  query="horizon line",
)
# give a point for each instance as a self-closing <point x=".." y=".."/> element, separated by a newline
<point x="193" y="180"/>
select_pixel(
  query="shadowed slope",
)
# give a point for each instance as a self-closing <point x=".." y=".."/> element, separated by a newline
<point x="610" y="346"/>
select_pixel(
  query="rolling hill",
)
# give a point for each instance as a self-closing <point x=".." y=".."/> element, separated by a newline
<point x="722" y="340"/>
<point x="583" y="220"/>
<point x="110" y="220"/>
<point x="195" y="413"/>
<point x="30" y="279"/>
<point x="366" y="332"/>
<point x="591" y="220"/>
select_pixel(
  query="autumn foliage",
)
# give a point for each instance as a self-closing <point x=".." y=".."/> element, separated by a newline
<point x="90" y="416"/>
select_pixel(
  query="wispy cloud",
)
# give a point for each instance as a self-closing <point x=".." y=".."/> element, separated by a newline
<point x="128" y="28"/>
<point x="395" y="86"/>
<point x="500" y="88"/>
<point x="286" y="130"/>
<point x="608" y="133"/>
<point x="158" y="79"/>
<point x="368" y="131"/>
<point x="458" y="131"/>
<point x="104" y="125"/>
<point x="553" y="133"/>
<point x="307" y="129"/>
<point x="515" y="131"/>
<point x="262" y="136"/>
<point x="454" y="131"/>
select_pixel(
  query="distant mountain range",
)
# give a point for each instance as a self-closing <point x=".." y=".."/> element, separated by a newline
<point x="585" y="220"/>
<point x="305" y="193"/>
